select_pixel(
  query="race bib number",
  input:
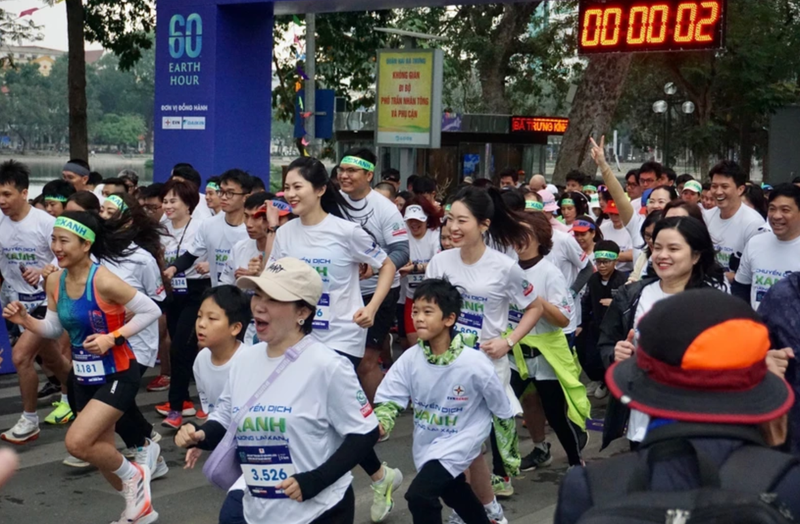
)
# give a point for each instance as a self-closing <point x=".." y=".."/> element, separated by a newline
<point x="470" y="324"/>
<point x="514" y="316"/>
<point x="89" y="369"/>
<point x="415" y="279"/>
<point x="265" y="468"/>
<point x="179" y="284"/>
<point x="322" y="319"/>
<point x="31" y="301"/>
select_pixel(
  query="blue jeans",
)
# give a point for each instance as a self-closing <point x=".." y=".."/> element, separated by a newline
<point x="232" y="511"/>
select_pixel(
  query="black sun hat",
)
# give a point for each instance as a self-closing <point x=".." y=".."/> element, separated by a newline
<point x="701" y="357"/>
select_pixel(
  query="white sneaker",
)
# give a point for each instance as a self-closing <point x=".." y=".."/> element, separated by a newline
<point x="161" y="468"/>
<point x="138" y="503"/>
<point x="495" y="513"/>
<point x="148" y="455"/>
<point x="75" y="462"/>
<point x="155" y="436"/>
<point x="601" y="391"/>
<point x="455" y="519"/>
<point x="23" y="431"/>
<point x="129" y="453"/>
<point x="382" y="502"/>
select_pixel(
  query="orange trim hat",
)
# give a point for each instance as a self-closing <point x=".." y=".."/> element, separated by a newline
<point x="701" y="357"/>
<point x="611" y="208"/>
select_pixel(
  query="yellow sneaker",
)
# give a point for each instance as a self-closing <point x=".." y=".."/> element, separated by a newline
<point x="61" y="415"/>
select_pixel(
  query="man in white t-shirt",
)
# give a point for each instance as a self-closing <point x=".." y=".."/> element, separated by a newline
<point x="614" y="230"/>
<point x="245" y="250"/>
<point x="731" y="224"/>
<point x="767" y="258"/>
<point x="25" y="243"/>
<point x="380" y="217"/>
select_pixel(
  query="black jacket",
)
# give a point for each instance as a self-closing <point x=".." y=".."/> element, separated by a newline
<point x="618" y="321"/>
<point x="593" y="311"/>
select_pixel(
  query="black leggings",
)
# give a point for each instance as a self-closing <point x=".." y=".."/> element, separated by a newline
<point x="434" y="482"/>
<point x="555" y="409"/>
<point x="134" y="429"/>
<point x="181" y="317"/>
<point x="232" y="511"/>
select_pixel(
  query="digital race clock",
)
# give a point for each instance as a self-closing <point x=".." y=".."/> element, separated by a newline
<point x="626" y="26"/>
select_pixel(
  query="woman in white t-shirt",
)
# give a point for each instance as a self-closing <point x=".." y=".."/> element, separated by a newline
<point x="489" y="282"/>
<point x="423" y="222"/>
<point x="683" y="258"/>
<point x="299" y="439"/>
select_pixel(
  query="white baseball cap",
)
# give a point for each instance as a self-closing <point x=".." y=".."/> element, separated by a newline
<point x="287" y="280"/>
<point x="415" y="212"/>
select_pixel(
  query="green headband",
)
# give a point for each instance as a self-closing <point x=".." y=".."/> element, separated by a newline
<point x="358" y="162"/>
<point x="567" y="202"/>
<point x="117" y="201"/>
<point x="212" y="185"/>
<point x="447" y="208"/>
<point x="608" y="255"/>
<point x="590" y="188"/>
<point x="533" y="204"/>
<point x="76" y="227"/>
<point x="56" y="198"/>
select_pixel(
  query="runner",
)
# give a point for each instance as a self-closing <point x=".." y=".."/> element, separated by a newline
<point x="321" y="424"/>
<point x="25" y="243"/>
<point x="56" y="193"/>
<point x="188" y="286"/>
<point x="213" y="201"/>
<point x="423" y="223"/>
<point x="490" y="282"/>
<point x="572" y="204"/>
<point x="614" y="230"/>
<point x="259" y="243"/>
<point x="83" y="201"/>
<point x="381" y="219"/>
<point x="336" y="247"/>
<point x="77" y="172"/>
<point x="105" y="376"/>
<point x="772" y="256"/>
<point x="187" y="173"/>
<point x="437" y="377"/>
<point x="731" y="223"/>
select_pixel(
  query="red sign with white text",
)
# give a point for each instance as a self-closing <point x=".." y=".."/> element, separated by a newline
<point x="539" y="124"/>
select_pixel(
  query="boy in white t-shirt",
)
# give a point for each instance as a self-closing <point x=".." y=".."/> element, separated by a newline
<point x="454" y="395"/>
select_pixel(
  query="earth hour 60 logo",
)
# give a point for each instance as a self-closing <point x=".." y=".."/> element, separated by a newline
<point x="185" y="36"/>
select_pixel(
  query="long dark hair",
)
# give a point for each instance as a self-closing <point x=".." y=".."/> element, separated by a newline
<point x="87" y="200"/>
<point x="141" y="228"/>
<point x="505" y="228"/>
<point x="649" y="220"/>
<point x="755" y="195"/>
<point x="314" y="171"/>
<point x="581" y="202"/>
<point x="112" y="242"/>
<point x="598" y="234"/>
<point x="706" y="272"/>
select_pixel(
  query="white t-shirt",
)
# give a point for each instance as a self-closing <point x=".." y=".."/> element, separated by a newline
<point x="622" y="238"/>
<point x="215" y="239"/>
<point x="177" y="242"/>
<point x="243" y="251"/>
<point x="421" y="252"/>
<point x="201" y="210"/>
<point x="25" y="243"/>
<point x="652" y="293"/>
<point x="765" y="261"/>
<point x="637" y="205"/>
<point x="453" y="405"/>
<point x="634" y="229"/>
<point x="551" y="285"/>
<point x="210" y="378"/>
<point x="731" y="236"/>
<point x="140" y="271"/>
<point x="381" y="218"/>
<point x="335" y="248"/>
<point x="568" y="256"/>
<point x="294" y="427"/>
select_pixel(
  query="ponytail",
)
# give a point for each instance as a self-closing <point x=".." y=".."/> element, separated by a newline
<point x="138" y="227"/>
<point x="505" y="228"/>
<point x="108" y="244"/>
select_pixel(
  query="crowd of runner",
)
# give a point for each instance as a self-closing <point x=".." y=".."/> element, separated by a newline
<point x="310" y="319"/>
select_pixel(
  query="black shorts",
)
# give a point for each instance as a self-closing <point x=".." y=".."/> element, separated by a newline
<point x="353" y="360"/>
<point x="119" y="391"/>
<point x="384" y="318"/>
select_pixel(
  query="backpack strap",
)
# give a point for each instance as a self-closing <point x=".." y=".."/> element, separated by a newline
<point x="609" y="480"/>
<point x="737" y="473"/>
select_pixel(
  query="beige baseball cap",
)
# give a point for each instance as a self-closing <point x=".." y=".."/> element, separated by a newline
<point x="287" y="280"/>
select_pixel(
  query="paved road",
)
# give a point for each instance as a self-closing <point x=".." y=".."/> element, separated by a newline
<point x="46" y="492"/>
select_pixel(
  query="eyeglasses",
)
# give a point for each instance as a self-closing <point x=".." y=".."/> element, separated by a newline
<point x="228" y="193"/>
<point x="349" y="170"/>
<point x="151" y="207"/>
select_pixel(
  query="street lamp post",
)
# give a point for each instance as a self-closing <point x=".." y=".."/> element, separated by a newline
<point x="665" y="106"/>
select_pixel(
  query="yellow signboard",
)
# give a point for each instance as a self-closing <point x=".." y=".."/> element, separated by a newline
<point x="409" y="94"/>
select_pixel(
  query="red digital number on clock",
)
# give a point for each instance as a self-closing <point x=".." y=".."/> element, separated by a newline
<point x="665" y="25"/>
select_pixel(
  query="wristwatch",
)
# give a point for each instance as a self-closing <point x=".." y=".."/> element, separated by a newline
<point x="510" y="344"/>
<point x="118" y="338"/>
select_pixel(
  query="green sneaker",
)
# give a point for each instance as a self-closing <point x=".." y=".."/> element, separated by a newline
<point x="502" y="487"/>
<point x="61" y="415"/>
<point x="382" y="502"/>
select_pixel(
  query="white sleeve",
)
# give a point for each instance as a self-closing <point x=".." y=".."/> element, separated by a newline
<point x="277" y="250"/>
<point x="744" y="275"/>
<point x="495" y="394"/>
<point x="349" y="411"/>
<point x="365" y="250"/>
<point x="754" y="228"/>
<point x="145" y="313"/>
<point x="519" y="290"/>
<point x="152" y="282"/>
<point x="394" y="227"/>
<point x="222" y="411"/>
<point x="395" y="385"/>
<point x="575" y="254"/>
<point x="201" y="385"/>
<point x="557" y="292"/>
<point x="228" y="272"/>
<point x="50" y="326"/>
<point x="433" y="271"/>
<point x="198" y="247"/>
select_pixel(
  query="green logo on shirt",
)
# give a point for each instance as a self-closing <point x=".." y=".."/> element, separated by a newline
<point x="271" y="424"/>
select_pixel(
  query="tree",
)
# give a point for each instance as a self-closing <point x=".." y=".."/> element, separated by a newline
<point x="24" y="109"/>
<point x="13" y="30"/>
<point x="119" y="130"/>
<point x="76" y="82"/>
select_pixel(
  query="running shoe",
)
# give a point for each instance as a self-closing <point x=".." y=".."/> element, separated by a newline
<point x="148" y="455"/>
<point x="129" y="453"/>
<point x="155" y="436"/>
<point x="601" y="392"/>
<point x="61" y="415"/>
<point x="161" y="468"/>
<point x="138" y="503"/>
<point x="502" y="487"/>
<point x="455" y="519"/>
<point x="382" y="502"/>
<point x="23" y="431"/>
<point x="537" y="458"/>
<point x="160" y="383"/>
<point x="495" y="513"/>
<point x="75" y="462"/>
<point x="48" y="392"/>
<point x="174" y="420"/>
<point x="384" y="438"/>
<point x="188" y="409"/>
<point x="201" y="415"/>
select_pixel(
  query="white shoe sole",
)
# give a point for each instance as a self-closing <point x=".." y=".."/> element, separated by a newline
<point x="161" y="469"/>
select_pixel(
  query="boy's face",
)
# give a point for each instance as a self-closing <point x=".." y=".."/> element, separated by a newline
<point x="213" y="327"/>
<point x="429" y="321"/>
<point x="605" y="267"/>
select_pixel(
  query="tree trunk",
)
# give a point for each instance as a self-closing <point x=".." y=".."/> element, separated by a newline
<point x="746" y="148"/>
<point x="76" y="82"/>
<point x="148" y="136"/>
<point x="591" y="113"/>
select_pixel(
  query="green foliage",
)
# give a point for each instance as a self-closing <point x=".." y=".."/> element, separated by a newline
<point x="124" y="27"/>
<point x="14" y="30"/>
<point x="118" y="130"/>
